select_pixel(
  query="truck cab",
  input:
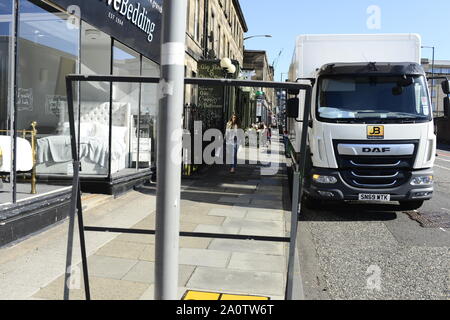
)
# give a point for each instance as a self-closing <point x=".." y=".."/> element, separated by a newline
<point x="372" y="135"/>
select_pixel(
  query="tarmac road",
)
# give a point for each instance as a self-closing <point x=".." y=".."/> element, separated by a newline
<point x="352" y="252"/>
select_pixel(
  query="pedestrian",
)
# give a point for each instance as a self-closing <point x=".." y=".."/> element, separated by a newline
<point x="232" y="139"/>
<point x="269" y="135"/>
<point x="262" y="135"/>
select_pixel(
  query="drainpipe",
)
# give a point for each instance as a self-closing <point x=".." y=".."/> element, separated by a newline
<point x="205" y="29"/>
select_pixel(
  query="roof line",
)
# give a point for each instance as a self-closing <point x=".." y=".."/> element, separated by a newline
<point x="240" y="15"/>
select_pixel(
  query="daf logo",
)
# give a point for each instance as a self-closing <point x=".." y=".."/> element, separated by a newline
<point x="376" y="150"/>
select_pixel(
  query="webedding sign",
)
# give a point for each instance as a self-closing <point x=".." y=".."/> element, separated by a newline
<point x="136" y="23"/>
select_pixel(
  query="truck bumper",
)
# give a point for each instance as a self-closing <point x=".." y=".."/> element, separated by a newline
<point x="340" y="190"/>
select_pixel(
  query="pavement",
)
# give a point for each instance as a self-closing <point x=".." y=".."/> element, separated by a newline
<point x="377" y="252"/>
<point x="121" y="266"/>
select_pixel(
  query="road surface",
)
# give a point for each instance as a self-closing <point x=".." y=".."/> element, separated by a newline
<point x="350" y="252"/>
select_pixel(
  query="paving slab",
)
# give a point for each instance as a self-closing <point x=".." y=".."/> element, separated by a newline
<point x="251" y="226"/>
<point x="101" y="289"/>
<point x="228" y="213"/>
<point x="109" y="267"/>
<point x="259" y="262"/>
<point x="122" y="249"/>
<point x="148" y="254"/>
<point x="206" y="228"/>
<point x="204" y="257"/>
<point x="235" y="200"/>
<point x="274" y="248"/>
<point x="265" y="215"/>
<point x="144" y="271"/>
<point x="248" y="282"/>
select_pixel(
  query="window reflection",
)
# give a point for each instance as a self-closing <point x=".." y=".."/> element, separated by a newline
<point x="126" y="62"/>
<point x="47" y="50"/>
<point x="149" y="111"/>
<point x="5" y="99"/>
<point x="94" y="117"/>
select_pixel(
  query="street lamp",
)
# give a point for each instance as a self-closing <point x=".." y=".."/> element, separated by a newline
<point x="259" y="36"/>
<point x="228" y="69"/>
<point x="227" y="66"/>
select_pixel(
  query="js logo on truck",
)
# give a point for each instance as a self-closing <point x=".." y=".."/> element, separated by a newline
<point x="375" y="132"/>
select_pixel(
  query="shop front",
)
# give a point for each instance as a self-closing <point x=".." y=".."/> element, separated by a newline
<point x="40" y="43"/>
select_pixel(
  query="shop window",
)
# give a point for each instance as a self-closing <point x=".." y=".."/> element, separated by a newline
<point x="6" y="60"/>
<point x="47" y="50"/>
<point x="94" y="115"/>
<point x="125" y="121"/>
<point x="149" y="115"/>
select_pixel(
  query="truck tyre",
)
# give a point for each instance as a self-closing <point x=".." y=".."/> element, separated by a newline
<point x="411" y="205"/>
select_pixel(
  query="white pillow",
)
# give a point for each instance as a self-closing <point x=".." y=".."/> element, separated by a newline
<point x="87" y="129"/>
<point x="118" y="133"/>
<point x="101" y="131"/>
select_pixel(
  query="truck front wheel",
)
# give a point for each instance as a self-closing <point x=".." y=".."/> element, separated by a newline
<point x="411" y="205"/>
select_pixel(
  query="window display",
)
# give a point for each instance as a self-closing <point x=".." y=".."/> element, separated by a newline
<point x="47" y="50"/>
<point x="149" y="114"/>
<point x="115" y="121"/>
<point x="126" y="62"/>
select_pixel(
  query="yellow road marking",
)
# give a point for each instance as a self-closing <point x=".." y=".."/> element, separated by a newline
<point x="236" y="297"/>
<point x="199" y="295"/>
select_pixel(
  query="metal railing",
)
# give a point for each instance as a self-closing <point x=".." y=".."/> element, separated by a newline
<point x="76" y="205"/>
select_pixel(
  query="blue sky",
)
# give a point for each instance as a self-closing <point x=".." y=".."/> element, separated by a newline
<point x="285" y="19"/>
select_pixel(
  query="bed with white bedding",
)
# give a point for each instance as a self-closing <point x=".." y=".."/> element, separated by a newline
<point x="54" y="152"/>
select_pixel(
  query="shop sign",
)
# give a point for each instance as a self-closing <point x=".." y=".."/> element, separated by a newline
<point x="136" y="23"/>
<point x="210" y="96"/>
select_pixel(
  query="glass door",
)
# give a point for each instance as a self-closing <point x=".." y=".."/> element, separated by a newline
<point x="6" y="98"/>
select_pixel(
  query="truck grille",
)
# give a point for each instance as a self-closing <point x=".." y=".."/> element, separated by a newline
<point x="375" y="172"/>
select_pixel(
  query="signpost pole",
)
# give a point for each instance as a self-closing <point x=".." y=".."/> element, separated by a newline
<point x="171" y="88"/>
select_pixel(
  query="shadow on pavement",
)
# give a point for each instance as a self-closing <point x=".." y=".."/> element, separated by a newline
<point x="351" y="212"/>
<point x="216" y="185"/>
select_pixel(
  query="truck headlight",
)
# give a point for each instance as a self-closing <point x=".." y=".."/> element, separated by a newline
<point x="324" y="179"/>
<point x="423" y="180"/>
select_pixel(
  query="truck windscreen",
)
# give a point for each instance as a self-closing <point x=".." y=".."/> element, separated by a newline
<point x="362" y="98"/>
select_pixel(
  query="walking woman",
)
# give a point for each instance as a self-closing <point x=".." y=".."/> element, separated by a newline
<point x="232" y="139"/>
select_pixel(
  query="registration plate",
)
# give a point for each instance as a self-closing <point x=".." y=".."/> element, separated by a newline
<point x="374" y="197"/>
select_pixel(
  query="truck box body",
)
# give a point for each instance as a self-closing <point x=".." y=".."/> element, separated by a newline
<point x="314" y="51"/>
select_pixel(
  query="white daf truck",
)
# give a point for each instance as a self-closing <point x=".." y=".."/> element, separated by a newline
<point x="371" y="131"/>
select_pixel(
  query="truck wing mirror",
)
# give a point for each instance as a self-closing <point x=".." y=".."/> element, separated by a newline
<point x="293" y="91"/>
<point x="406" y="81"/>
<point x="446" y="107"/>
<point x="292" y="106"/>
<point x="446" y="86"/>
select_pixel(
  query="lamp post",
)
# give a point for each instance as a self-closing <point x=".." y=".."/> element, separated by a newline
<point x="432" y="72"/>
<point x="228" y="68"/>
<point x="258" y="36"/>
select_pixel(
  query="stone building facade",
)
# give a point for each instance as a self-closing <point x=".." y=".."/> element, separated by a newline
<point x="256" y="64"/>
<point x="215" y="30"/>
<point x="441" y="69"/>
